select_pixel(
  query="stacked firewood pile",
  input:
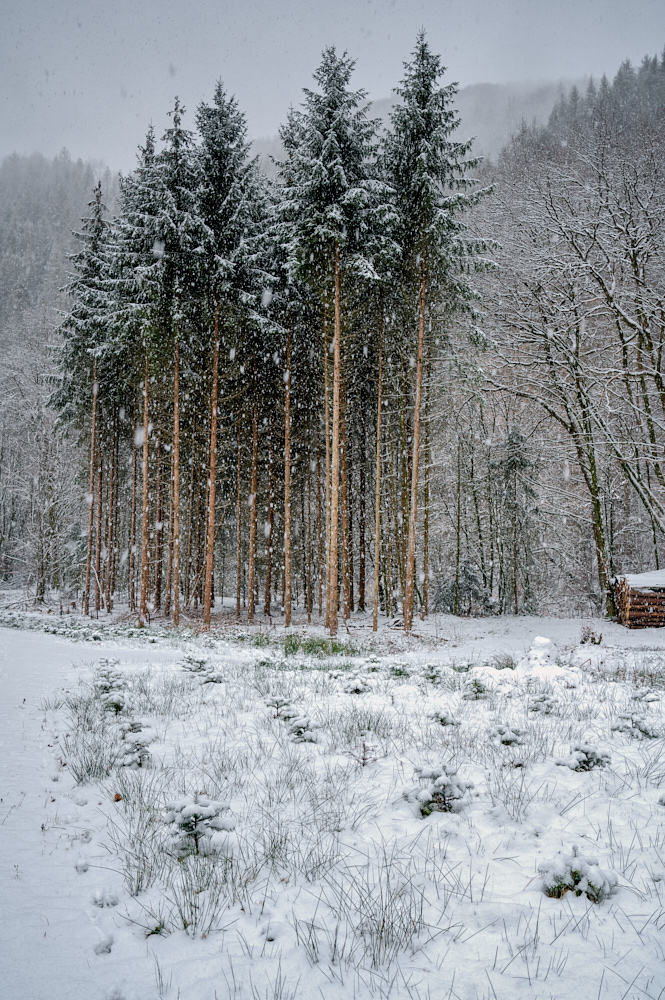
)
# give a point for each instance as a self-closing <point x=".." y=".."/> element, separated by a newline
<point x="640" y="599"/>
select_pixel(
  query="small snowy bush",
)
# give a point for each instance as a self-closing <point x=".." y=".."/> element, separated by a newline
<point x="509" y="736"/>
<point x="109" y="685"/>
<point x="134" y="751"/>
<point x="584" y="757"/>
<point x="476" y="690"/>
<point x="197" y="822"/>
<point x="545" y="704"/>
<point x="636" y="726"/>
<point x="443" y="793"/>
<point x="356" y="685"/>
<point x="302" y="730"/>
<point x="195" y="664"/>
<point x="577" y="873"/>
<point x="281" y="705"/>
<point x="443" y="717"/>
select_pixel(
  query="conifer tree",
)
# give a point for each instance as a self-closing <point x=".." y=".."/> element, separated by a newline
<point x="428" y="170"/>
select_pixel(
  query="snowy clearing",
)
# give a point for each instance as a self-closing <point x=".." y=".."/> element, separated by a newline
<point x="475" y="813"/>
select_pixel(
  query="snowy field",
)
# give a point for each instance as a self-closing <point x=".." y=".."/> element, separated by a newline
<point x="468" y="813"/>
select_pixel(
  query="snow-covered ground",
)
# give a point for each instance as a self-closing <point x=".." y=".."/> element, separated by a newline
<point x="207" y="818"/>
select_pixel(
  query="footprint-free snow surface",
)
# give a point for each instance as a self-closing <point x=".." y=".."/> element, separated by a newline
<point x="203" y="820"/>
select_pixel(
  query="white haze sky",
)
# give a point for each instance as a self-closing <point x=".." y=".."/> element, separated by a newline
<point x="91" y="74"/>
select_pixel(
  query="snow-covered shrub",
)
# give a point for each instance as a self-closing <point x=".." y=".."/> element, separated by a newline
<point x="356" y="685"/>
<point x="544" y="703"/>
<point x="134" y="751"/>
<point x="646" y="695"/>
<point x="577" y="873"/>
<point x="281" y="705"/>
<point x="476" y="690"/>
<point x="432" y="672"/>
<point x="114" y="701"/>
<point x="443" y="793"/>
<point x="399" y="670"/>
<point x="197" y="823"/>
<point x="109" y="685"/>
<point x="589" y="635"/>
<point x="196" y="664"/>
<point x="302" y="730"/>
<point x="107" y="677"/>
<point x="584" y="757"/>
<point x="636" y="726"/>
<point x="509" y="736"/>
<point x="443" y="717"/>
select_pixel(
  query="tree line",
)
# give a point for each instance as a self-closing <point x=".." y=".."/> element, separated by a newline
<point x="372" y="382"/>
<point x="242" y="347"/>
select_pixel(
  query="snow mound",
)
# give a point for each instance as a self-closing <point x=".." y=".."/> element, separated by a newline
<point x="540" y="663"/>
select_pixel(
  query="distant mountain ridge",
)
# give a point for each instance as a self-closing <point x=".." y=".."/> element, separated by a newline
<point x="490" y="112"/>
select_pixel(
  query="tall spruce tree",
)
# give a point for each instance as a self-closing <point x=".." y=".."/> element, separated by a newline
<point x="428" y="170"/>
<point x="332" y="206"/>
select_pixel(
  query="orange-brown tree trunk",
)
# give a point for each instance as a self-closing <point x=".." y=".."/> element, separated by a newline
<point x="143" y="601"/>
<point x="334" y="465"/>
<point x="159" y="525"/>
<point x="98" y="533"/>
<point x="346" y="589"/>
<point x="413" y="514"/>
<point x="239" y="521"/>
<point x="91" y="515"/>
<point x="253" y="486"/>
<point x="377" y="487"/>
<point x="270" y="523"/>
<point x="176" y="484"/>
<point x="132" y="531"/>
<point x="212" y="479"/>
<point x="287" y="481"/>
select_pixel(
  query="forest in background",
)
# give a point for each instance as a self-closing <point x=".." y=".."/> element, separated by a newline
<point x="515" y="340"/>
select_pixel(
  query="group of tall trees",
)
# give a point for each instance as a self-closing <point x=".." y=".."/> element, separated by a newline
<point x="228" y="343"/>
<point x="388" y="377"/>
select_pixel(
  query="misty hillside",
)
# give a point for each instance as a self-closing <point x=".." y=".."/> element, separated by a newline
<point x="490" y="112"/>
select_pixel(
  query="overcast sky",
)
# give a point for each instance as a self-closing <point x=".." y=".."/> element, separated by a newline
<point x="91" y="74"/>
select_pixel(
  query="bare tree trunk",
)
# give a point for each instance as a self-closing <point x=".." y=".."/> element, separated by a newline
<point x="413" y="515"/>
<point x="190" y="523"/>
<point x="271" y="519"/>
<point x="212" y="481"/>
<point x="326" y="414"/>
<point x="377" y="488"/>
<point x="91" y="516"/>
<point x="114" y="513"/>
<point x="132" y="529"/>
<point x="239" y="522"/>
<point x="346" y="594"/>
<point x="143" y="603"/>
<point x="197" y="542"/>
<point x="319" y="527"/>
<point x="334" y="469"/>
<point x="159" y="525"/>
<point x="98" y="533"/>
<point x="169" y="554"/>
<point x="109" y="522"/>
<point x="361" y="524"/>
<point x="253" y="486"/>
<point x="458" y="529"/>
<point x="176" y="484"/>
<point x="425" y="609"/>
<point x="308" y="542"/>
<point x="287" y="481"/>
